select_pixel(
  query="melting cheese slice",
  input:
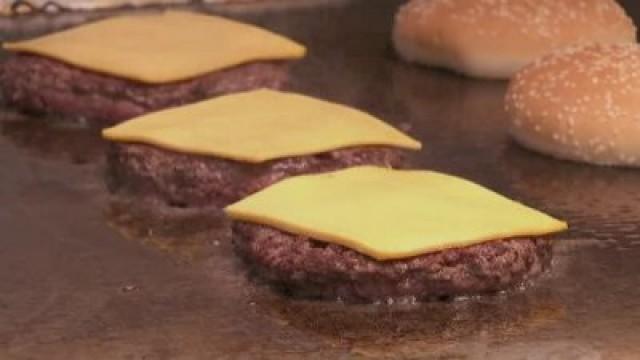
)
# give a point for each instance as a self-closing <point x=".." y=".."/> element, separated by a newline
<point x="391" y="214"/>
<point x="258" y="126"/>
<point x="161" y="48"/>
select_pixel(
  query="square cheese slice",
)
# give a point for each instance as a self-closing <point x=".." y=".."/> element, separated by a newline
<point x="162" y="47"/>
<point x="258" y="126"/>
<point x="391" y="214"/>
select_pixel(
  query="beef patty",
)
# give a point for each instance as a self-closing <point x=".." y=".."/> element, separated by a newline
<point x="304" y="267"/>
<point x="185" y="180"/>
<point x="36" y="84"/>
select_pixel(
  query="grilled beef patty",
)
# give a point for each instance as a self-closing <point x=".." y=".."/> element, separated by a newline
<point x="36" y="84"/>
<point x="185" y="180"/>
<point x="304" y="267"/>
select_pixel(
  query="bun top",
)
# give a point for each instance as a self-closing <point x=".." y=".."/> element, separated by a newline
<point x="510" y="33"/>
<point x="581" y="104"/>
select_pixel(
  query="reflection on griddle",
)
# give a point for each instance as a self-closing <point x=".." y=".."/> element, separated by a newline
<point x="599" y="202"/>
<point x="455" y="117"/>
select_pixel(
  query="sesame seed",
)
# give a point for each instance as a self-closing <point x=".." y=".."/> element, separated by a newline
<point x="578" y="89"/>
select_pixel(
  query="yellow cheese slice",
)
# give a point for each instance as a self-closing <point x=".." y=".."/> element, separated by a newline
<point x="391" y="214"/>
<point x="163" y="47"/>
<point x="258" y="126"/>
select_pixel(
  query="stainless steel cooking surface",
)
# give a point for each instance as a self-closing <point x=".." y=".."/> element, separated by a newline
<point x="84" y="277"/>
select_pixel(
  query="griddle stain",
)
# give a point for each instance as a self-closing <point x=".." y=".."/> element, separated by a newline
<point x="53" y="138"/>
<point x="396" y="326"/>
<point x="189" y="234"/>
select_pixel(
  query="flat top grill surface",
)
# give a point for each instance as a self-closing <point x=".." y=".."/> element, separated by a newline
<point x="82" y="276"/>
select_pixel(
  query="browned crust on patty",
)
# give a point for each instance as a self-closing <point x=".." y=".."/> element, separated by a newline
<point x="305" y="267"/>
<point x="36" y="84"/>
<point x="185" y="180"/>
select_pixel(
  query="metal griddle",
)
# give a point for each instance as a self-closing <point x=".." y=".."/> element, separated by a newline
<point x="83" y="277"/>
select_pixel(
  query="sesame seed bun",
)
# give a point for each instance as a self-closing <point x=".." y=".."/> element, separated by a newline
<point x="495" y="38"/>
<point x="580" y="104"/>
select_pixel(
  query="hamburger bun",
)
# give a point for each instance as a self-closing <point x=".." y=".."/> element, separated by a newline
<point x="494" y="39"/>
<point x="580" y="104"/>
